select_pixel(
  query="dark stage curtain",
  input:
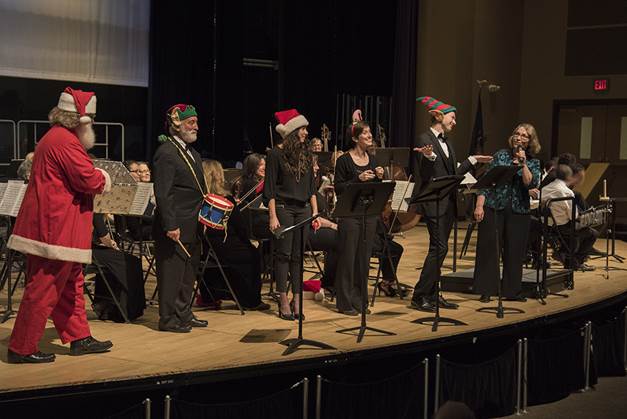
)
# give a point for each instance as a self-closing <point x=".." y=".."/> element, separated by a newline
<point x="400" y="396"/>
<point x="555" y="366"/>
<point x="608" y="342"/>
<point x="402" y="129"/>
<point x="285" y="404"/>
<point x="488" y="388"/>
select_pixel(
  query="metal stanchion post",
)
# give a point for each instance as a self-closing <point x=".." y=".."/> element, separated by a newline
<point x="305" y="398"/>
<point x="426" y="393"/>
<point x="318" y="396"/>
<point x="166" y="406"/>
<point x="518" y="375"/>
<point x="588" y="353"/>
<point x="147" y="405"/>
<point x="525" y="366"/>
<point x="436" y="394"/>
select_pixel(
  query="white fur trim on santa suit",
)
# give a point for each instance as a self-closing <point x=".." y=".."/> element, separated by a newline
<point x="292" y="125"/>
<point x="48" y="251"/>
<point x="107" y="185"/>
<point x="66" y="103"/>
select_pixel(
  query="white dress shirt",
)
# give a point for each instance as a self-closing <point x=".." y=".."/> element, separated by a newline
<point x="444" y="148"/>
<point x="185" y="147"/>
<point x="562" y="211"/>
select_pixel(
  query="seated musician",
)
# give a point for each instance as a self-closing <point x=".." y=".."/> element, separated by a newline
<point x="562" y="214"/>
<point x="250" y="187"/>
<point x="140" y="228"/>
<point x="123" y="271"/>
<point x="235" y="252"/>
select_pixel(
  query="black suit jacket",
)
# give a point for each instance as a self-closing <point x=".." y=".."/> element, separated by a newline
<point x="176" y="192"/>
<point x="424" y="170"/>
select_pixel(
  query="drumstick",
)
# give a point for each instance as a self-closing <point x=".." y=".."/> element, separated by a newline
<point x="184" y="249"/>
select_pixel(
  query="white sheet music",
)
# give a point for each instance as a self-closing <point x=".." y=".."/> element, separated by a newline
<point x="141" y="199"/>
<point x="12" y="198"/>
<point x="3" y="187"/>
<point x="402" y="191"/>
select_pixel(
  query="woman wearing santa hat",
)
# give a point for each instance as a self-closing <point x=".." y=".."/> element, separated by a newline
<point x="290" y="191"/>
<point x="53" y="228"/>
<point x="355" y="166"/>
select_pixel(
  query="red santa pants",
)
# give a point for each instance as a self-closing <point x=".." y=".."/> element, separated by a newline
<point x="54" y="289"/>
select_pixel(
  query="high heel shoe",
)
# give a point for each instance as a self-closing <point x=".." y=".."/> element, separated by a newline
<point x="386" y="289"/>
<point x="284" y="316"/>
<point x="296" y="315"/>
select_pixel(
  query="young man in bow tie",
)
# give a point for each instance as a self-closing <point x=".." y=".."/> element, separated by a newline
<point x="433" y="156"/>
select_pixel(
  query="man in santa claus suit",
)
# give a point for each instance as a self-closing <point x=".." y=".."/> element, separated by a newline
<point x="54" y="228"/>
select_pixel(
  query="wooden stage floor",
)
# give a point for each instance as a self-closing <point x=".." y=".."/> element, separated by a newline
<point x="140" y="352"/>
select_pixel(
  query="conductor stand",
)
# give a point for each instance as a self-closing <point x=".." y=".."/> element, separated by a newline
<point x="436" y="190"/>
<point x="498" y="176"/>
<point x="364" y="200"/>
<point x="294" y="343"/>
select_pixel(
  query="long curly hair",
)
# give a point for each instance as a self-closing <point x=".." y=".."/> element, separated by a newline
<point x="296" y="155"/>
<point x="534" y="142"/>
<point x="214" y="177"/>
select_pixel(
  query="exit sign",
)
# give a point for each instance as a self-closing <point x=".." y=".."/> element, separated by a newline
<point x="601" y="85"/>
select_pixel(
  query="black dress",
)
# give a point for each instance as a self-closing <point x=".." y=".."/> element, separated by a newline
<point x="354" y="252"/>
<point x="123" y="272"/>
<point x="241" y="263"/>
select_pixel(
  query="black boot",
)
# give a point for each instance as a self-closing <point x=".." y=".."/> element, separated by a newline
<point x="34" y="358"/>
<point x="89" y="345"/>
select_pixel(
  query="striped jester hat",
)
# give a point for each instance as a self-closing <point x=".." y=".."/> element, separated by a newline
<point x="434" y="105"/>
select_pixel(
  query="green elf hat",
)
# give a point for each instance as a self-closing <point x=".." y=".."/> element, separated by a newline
<point x="435" y="106"/>
<point x="175" y="115"/>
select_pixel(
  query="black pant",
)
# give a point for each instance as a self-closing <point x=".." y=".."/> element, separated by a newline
<point x="326" y="240"/>
<point x="513" y="230"/>
<point x="353" y="261"/>
<point x="175" y="278"/>
<point x="389" y="265"/>
<point x="288" y="249"/>
<point x="438" y="248"/>
<point x="584" y="242"/>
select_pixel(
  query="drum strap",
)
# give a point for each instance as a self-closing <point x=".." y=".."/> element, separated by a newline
<point x="185" y="158"/>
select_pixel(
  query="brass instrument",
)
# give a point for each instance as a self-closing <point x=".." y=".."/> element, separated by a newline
<point x="325" y="134"/>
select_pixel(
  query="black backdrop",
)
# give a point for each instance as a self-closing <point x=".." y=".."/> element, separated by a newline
<point x="322" y="48"/>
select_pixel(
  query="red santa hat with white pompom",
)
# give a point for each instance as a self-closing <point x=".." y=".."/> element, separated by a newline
<point x="83" y="103"/>
<point x="289" y="121"/>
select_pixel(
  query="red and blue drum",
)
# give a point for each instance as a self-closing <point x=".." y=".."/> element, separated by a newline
<point x="215" y="211"/>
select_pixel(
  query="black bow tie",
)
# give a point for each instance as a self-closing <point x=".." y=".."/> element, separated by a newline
<point x="441" y="137"/>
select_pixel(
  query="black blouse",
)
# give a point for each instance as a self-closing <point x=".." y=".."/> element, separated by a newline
<point x="281" y="185"/>
<point x="347" y="172"/>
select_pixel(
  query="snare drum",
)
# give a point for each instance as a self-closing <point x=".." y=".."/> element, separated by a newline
<point x="215" y="211"/>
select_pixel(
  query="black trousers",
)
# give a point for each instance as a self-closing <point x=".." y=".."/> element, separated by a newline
<point x="395" y="252"/>
<point x="513" y="230"/>
<point x="438" y="248"/>
<point x="353" y="261"/>
<point x="584" y="242"/>
<point x="288" y="249"/>
<point x="326" y="240"/>
<point x="176" y="275"/>
<point x="123" y="271"/>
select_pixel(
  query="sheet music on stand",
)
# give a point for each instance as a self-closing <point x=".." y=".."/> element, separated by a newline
<point x="12" y="197"/>
<point x="125" y="199"/>
<point x="143" y="193"/>
<point x="117" y="171"/>
<point x="403" y="190"/>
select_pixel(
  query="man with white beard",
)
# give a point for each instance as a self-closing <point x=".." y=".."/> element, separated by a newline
<point x="53" y="228"/>
<point x="179" y="187"/>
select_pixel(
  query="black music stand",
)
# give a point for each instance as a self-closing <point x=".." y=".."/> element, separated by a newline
<point x="294" y="343"/>
<point x="386" y="157"/>
<point x="5" y="278"/>
<point x="364" y="200"/>
<point x="434" y="191"/>
<point x="498" y="176"/>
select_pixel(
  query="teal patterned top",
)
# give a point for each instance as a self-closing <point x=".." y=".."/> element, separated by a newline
<point x="516" y="192"/>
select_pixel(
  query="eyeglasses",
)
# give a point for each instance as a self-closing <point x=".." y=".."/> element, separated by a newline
<point x="521" y="135"/>
<point x="142" y="171"/>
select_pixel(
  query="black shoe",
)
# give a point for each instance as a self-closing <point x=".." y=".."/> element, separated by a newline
<point x="285" y="316"/>
<point x="518" y="299"/>
<point x="584" y="267"/>
<point x="424" y="304"/>
<point x="351" y="312"/>
<point x="89" y="345"/>
<point x="194" y="322"/>
<point x="447" y="304"/>
<point x="296" y="315"/>
<point x="484" y="299"/>
<point x="34" y="358"/>
<point x="259" y="307"/>
<point x="177" y="329"/>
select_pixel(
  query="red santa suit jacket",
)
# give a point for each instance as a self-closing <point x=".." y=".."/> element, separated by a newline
<point x="55" y="219"/>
